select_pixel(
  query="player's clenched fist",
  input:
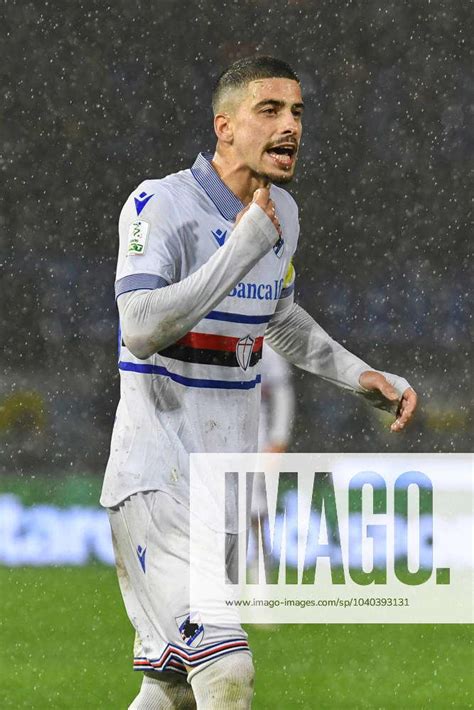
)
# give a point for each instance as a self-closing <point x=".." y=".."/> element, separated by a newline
<point x="261" y="197"/>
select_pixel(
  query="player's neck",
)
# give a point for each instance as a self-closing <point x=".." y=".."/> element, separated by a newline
<point x="237" y="177"/>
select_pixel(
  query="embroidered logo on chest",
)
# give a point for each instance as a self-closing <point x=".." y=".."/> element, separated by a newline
<point x="219" y="235"/>
<point x="279" y="246"/>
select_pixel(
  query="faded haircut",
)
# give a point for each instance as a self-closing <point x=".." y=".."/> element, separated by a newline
<point x="243" y="71"/>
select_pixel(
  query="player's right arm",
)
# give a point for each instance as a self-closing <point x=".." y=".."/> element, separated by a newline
<point x="153" y="319"/>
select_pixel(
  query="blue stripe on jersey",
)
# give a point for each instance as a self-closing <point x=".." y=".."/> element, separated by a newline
<point x="135" y="282"/>
<point x="237" y="317"/>
<point x="146" y="369"/>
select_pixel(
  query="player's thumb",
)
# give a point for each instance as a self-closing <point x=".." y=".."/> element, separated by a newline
<point x="389" y="392"/>
<point x="261" y="197"/>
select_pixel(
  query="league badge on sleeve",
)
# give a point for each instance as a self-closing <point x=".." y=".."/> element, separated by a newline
<point x="137" y="236"/>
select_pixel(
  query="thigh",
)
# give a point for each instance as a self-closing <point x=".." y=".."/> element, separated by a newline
<point x="152" y="545"/>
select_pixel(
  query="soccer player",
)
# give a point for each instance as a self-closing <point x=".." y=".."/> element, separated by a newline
<point x="204" y="274"/>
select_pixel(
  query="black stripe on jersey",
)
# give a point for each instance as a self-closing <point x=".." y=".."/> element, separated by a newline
<point x="207" y="357"/>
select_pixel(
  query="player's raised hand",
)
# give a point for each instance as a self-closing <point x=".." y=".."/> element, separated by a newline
<point x="404" y="406"/>
<point x="261" y="197"/>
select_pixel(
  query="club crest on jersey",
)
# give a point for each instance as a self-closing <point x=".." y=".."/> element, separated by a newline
<point x="137" y="236"/>
<point x="243" y="351"/>
<point x="278" y="248"/>
<point x="191" y="629"/>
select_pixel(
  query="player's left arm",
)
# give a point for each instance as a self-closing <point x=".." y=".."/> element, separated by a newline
<point x="295" y="335"/>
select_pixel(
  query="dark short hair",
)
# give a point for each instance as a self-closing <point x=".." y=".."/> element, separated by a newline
<point x="248" y="69"/>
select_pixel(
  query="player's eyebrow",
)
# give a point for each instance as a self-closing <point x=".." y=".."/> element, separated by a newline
<point x="277" y="104"/>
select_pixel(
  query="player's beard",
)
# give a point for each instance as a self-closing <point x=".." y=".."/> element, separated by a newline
<point x="276" y="178"/>
<point x="279" y="178"/>
<point x="282" y="179"/>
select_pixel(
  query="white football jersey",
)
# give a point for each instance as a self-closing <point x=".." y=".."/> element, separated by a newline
<point x="201" y="394"/>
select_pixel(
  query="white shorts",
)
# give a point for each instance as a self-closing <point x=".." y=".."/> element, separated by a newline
<point x="150" y="533"/>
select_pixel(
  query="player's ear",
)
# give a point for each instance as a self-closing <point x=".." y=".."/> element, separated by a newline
<point x="223" y="127"/>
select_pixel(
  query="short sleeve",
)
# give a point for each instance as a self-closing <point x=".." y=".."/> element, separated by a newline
<point x="149" y="251"/>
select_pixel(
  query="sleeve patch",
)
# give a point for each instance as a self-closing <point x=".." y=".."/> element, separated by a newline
<point x="137" y="237"/>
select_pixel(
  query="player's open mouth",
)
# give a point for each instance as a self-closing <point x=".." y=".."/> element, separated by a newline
<point x="283" y="155"/>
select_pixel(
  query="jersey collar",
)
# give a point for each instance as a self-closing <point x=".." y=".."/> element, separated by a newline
<point x="224" y="199"/>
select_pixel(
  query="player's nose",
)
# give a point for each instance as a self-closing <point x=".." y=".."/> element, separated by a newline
<point x="290" y="124"/>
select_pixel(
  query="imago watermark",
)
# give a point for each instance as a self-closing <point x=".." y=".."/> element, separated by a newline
<point x="321" y="538"/>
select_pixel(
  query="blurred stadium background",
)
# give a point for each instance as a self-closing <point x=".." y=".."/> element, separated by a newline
<point x="97" y="97"/>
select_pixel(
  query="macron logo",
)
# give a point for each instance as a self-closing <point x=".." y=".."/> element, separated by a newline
<point x="141" y="552"/>
<point x="141" y="201"/>
<point x="219" y="236"/>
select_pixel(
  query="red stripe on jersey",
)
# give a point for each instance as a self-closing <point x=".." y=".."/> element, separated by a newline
<point x="209" y="341"/>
